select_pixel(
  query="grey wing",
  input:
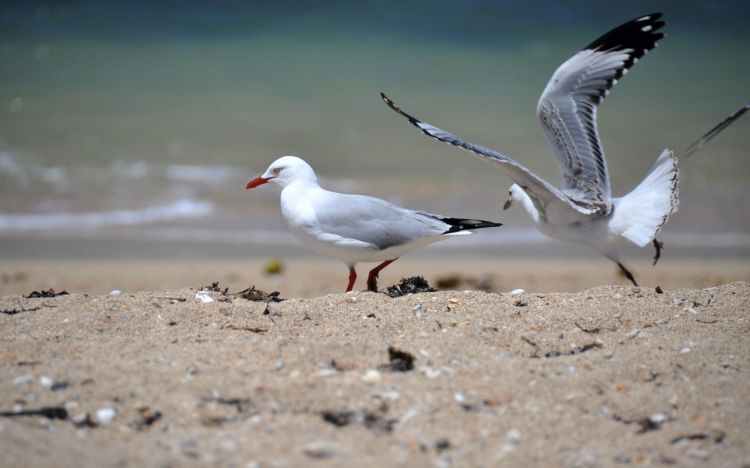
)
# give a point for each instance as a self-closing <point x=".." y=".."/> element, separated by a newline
<point x="542" y="193"/>
<point x="375" y="221"/>
<point x="568" y="105"/>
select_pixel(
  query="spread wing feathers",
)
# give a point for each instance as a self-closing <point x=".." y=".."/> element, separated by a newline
<point x="716" y="130"/>
<point x="541" y="192"/>
<point x="567" y="107"/>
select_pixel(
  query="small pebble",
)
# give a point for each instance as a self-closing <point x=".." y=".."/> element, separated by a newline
<point x="459" y="397"/>
<point x="417" y="310"/>
<point x="115" y="293"/>
<point x="516" y="292"/>
<point x="105" y="415"/>
<point x="685" y="350"/>
<point x="45" y="381"/>
<point x="635" y="289"/>
<point x="372" y="376"/>
<point x="658" y="418"/>
<point x="204" y="297"/>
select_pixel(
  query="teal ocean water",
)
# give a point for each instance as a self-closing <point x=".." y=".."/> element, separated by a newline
<point x="145" y="120"/>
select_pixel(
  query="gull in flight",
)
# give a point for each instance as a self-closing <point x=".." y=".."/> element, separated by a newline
<point x="354" y="228"/>
<point x="583" y="209"/>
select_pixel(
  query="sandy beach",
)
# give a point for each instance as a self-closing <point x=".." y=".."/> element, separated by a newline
<point x="314" y="276"/>
<point x="609" y="375"/>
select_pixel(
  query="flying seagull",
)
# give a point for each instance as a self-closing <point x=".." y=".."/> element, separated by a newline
<point x="583" y="209"/>
<point x="354" y="228"/>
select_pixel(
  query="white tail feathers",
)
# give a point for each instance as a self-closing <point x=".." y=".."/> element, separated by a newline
<point x="640" y="215"/>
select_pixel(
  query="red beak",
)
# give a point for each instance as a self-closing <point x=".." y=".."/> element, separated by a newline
<point x="256" y="182"/>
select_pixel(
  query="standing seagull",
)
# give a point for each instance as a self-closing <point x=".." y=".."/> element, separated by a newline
<point x="583" y="210"/>
<point x="354" y="228"/>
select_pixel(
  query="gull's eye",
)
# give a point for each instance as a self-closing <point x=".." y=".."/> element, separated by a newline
<point x="276" y="170"/>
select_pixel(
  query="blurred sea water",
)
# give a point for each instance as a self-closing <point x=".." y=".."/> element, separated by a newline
<point x="141" y="120"/>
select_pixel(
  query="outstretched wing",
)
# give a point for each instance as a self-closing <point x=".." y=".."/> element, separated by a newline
<point x="567" y="107"/>
<point x="716" y="130"/>
<point x="542" y="193"/>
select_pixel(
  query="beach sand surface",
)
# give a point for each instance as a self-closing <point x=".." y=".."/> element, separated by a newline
<point x="154" y="376"/>
<point x="314" y="276"/>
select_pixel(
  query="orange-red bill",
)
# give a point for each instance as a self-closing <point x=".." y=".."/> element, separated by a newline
<point x="256" y="182"/>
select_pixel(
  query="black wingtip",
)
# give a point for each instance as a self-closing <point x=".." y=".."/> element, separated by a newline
<point x="395" y="108"/>
<point x="639" y="34"/>
<point x="460" y="224"/>
<point x="393" y="105"/>
<point x="698" y="144"/>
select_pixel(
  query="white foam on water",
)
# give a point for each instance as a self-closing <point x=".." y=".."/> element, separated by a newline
<point x="44" y="221"/>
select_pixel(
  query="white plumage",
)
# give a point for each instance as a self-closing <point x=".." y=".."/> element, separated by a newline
<point x="354" y="228"/>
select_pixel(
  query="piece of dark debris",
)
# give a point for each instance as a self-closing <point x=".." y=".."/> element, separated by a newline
<point x="241" y="404"/>
<point x="659" y="290"/>
<point x="413" y="285"/>
<point x="18" y="311"/>
<point x="254" y="294"/>
<point x="50" y="412"/>
<point x="645" y="424"/>
<point x="442" y="444"/>
<point x="717" y="437"/>
<point x="28" y="363"/>
<point x="338" y="418"/>
<point x="370" y="419"/>
<point x="59" y="385"/>
<point x="214" y="287"/>
<point x="520" y="303"/>
<point x="46" y="293"/>
<point x="577" y="350"/>
<point x="231" y="326"/>
<point x="378" y="421"/>
<point x="148" y="417"/>
<point x="399" y="361"/>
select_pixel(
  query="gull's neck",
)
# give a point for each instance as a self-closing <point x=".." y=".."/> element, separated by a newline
<point x="528" y="205"/>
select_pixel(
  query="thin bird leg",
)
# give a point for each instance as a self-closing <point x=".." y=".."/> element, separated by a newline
<point x="352" y="278"/>
<point x="658" y="246"/>
<point x="372" y="279"/>
<point x="628" y="274"/>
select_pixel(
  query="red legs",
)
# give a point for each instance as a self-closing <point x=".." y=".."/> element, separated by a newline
<point x="352" y="278"/>
<point x="372" y="279"/>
